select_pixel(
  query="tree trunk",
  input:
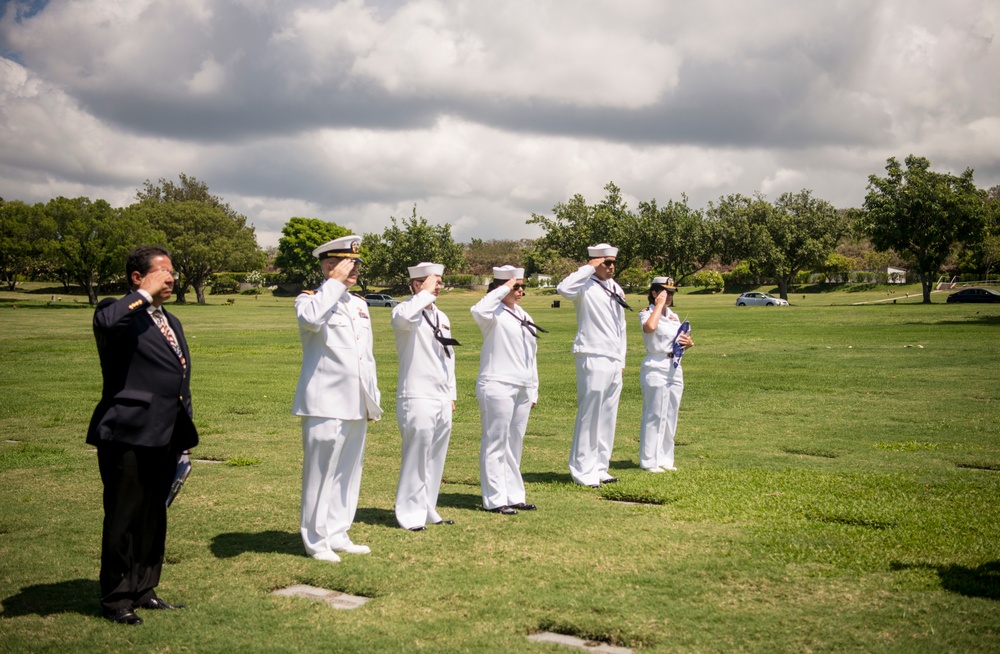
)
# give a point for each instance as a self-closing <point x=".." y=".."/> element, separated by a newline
<point x="926" y="282"/>
<point x="179" y="292"/>
<point x="92" y="294"/>
<point x="783" y="284"/>
<point x="199" y="292"/>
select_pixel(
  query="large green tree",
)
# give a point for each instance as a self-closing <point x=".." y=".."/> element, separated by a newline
<point x="677" y="241"/>
<point x="981" y="257"/>
<point x="208" y="236"/>
<point x="299" y="237"/>
<point x="406" y="243"/>
<point x="922" y="214"/>
<point x="481" y="256"/>
<point x="202" y="240"/>
<point x="778" y="240"/>
<point x="577" y="225"/>
<point x="26" y="235"/>
<point x="92" y="239"/>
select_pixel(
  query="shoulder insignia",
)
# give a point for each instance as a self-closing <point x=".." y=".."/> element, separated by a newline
<point x="308" y="293"/>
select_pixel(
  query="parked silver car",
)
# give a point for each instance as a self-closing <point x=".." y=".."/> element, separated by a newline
<point x="757" y="298"/>
<point x="379" y="300"/>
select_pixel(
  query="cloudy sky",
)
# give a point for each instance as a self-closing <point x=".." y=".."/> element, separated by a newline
<point x="483" y="112"/>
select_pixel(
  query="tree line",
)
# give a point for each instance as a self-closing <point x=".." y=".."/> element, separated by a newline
<point x="923" y="219"/>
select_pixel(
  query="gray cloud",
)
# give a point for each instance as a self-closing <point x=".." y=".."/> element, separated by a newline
<point x="485" y="112"/>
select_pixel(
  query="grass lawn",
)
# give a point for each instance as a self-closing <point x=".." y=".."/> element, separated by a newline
<point x="837" y="489"/>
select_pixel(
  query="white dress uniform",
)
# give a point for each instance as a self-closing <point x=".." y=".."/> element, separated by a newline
<point x="600" y="357"/>
<point x="662" y="386"/>
<point x="336" y="395"/>
<point x="506" y="389"/>
<point x="424" y="397"/>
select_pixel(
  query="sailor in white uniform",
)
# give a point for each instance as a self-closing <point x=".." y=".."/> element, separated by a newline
<point x="661" y="377"/>
<point x="337" y="395"/>
<point x="600" y="359"/>
<point x="507" y="389"/>
<point x="425" y="397"/>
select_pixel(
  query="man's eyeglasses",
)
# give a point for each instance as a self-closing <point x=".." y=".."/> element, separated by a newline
<point x="518" y="287"/>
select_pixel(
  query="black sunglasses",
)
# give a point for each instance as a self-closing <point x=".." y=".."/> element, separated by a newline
<point x="518" y="287"/>
<point x="609" y="262"/>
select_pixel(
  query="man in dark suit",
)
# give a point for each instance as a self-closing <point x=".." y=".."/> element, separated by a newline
<point x="140" y="427"/>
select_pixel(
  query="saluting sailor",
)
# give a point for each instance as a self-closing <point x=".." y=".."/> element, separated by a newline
<point x="507" y="389"/>
<point x="661" y="377"/>
<point x="425" y="396"/>
<point x="336" y="396"/>
<point x="599" y="348"/>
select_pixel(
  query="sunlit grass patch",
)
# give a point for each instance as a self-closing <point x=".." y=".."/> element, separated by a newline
<point x="31" y="455"/>
<point x="243" y="461"/>
<point x="907" y="446"/>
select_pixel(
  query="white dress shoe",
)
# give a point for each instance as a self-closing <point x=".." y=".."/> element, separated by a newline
<point x="671" y="468"/>
<point x="351" y="548"/>
<point x="653" y="469"/>
<point x="327" y="556"/>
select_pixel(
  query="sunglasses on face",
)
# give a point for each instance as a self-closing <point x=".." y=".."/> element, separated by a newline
<point x="518" y="287"/>
<point x="609" y="262"/>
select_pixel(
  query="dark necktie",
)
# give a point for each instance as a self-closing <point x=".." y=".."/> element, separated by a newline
<point x="527" y="324"/>
<point x="161" y="322"/>
<point x="441" y="338"/>
<point x="614" y="296"/>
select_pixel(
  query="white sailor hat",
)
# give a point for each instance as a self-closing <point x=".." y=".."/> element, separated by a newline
<point x="602" y="250"/>
<point x="424" y="269"/>
<point x="345" y="247"/>
<point x="664" y="283"/>
<point x="508" y="272"/>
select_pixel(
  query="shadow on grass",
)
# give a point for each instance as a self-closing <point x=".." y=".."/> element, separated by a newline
<point x="980" y="581"/>
<point x="624" y="464"/>
<point x="461" y="501"/>
<point x="373" y="516"/>
<point x="972" y="320"/>
<point x="546" y="478"/>
<point x="73" y="596"/>
<point x="226" y="546"/>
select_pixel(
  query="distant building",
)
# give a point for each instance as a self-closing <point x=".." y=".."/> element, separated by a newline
<point x="895" y="275"/>
<point x="544" y="281"/>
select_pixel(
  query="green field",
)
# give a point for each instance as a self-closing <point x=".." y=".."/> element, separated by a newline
<point x="838" y="489"/>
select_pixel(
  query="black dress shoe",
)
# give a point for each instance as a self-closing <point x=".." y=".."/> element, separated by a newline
<point x="156" y="604"/>
<point x="505" y="510"/>
<point x="444" y="522"/>
<point x="123" y="616"/>
<point x="593" y="485"/>
<point x="609" y="480"/>
<point x="420" y="528"/>
<point x="521" y="506"/>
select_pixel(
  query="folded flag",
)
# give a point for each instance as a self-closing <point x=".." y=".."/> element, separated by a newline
<point x="685" y="328"/>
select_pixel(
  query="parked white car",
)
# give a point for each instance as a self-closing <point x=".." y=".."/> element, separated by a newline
<point x="756" y="298"/>
<point x="379" y="300"/>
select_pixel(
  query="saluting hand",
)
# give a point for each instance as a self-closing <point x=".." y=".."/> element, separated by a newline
<point x="429" y="283"/>
<point x="342" y="270"/>
<point x="156" y="282"/>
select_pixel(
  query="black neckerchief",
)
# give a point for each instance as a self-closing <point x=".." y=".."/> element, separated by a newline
<point x="527" y="324"/>
<point x="441" y="338"/>
<point x="614" y="296"/>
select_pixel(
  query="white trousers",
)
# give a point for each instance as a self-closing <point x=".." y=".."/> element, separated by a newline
<point x="661" y="402"/>
<point x="425" y="427"/>
<point x="598" y="388"/>
<point x="503" y="411"/>
<point x="333" y="451"/>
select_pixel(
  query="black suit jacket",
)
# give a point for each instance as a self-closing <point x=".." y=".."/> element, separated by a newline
<point x="146" y="398"/>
